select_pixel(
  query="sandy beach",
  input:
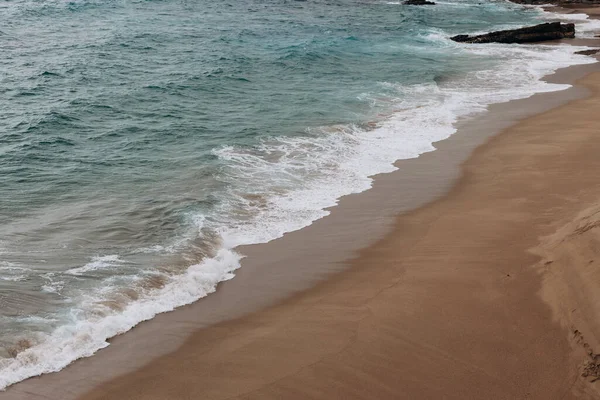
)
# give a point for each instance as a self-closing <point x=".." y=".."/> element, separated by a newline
<point x="489" y="292"/>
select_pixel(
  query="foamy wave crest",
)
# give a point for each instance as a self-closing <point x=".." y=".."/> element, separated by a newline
<point x="92" y="323"/>
<point x="97" y="263"/>
<point x="11" y="272"/>
<point x="286" y="183"/>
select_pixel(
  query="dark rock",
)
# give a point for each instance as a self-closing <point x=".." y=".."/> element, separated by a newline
<point x="418" y="3"/>
<point x="537" y="33"/>
<point x="588" y="53"/>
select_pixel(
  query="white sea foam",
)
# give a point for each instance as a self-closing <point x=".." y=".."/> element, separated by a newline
<point x="92" y="325"/>
<point x="286" y="183"/>
<point x="11" y="272"/>
<point x="97" y="263"/>
<point x="53" y="283"/>
<point x="14" y="278"/>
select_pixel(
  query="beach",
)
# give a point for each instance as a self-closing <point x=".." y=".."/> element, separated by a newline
<point x="471" y="272"/>
<point x="476" y="295"/>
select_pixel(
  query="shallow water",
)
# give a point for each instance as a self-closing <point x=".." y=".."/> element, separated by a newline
<point x="142" y="141"/>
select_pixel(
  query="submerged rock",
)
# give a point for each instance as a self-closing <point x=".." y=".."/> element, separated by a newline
<point x="588" y="52"/>
<point x="418" y="3"/>
<point x="537" y="33"/>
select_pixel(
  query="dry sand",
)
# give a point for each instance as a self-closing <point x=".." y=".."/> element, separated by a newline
<point x="491" y="292"/>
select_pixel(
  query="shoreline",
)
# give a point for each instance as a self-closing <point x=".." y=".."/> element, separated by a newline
<point x="186" y="326"/>
<point x="445" y="306"/>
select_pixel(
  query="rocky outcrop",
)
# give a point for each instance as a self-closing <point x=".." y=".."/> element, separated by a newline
<point x="588" y="52"/>
<point x="537" y="33"/>
<point x="418" y="3"/>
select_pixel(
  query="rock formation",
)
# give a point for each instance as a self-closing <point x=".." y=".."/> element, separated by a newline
<point x="588" y="52"/>
<point x="537" y="33"/>
<point x="419" y="3"/>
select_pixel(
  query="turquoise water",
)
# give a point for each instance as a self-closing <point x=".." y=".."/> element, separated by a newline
<point x="142" y="141"/>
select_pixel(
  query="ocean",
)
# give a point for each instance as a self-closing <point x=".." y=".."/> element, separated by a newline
<point x="142" y="142"/>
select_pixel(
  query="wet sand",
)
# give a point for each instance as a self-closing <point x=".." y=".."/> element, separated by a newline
<point x="446" y="305"/>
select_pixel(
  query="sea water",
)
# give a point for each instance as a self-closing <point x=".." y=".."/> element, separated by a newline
<point x="141" y="142"/>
